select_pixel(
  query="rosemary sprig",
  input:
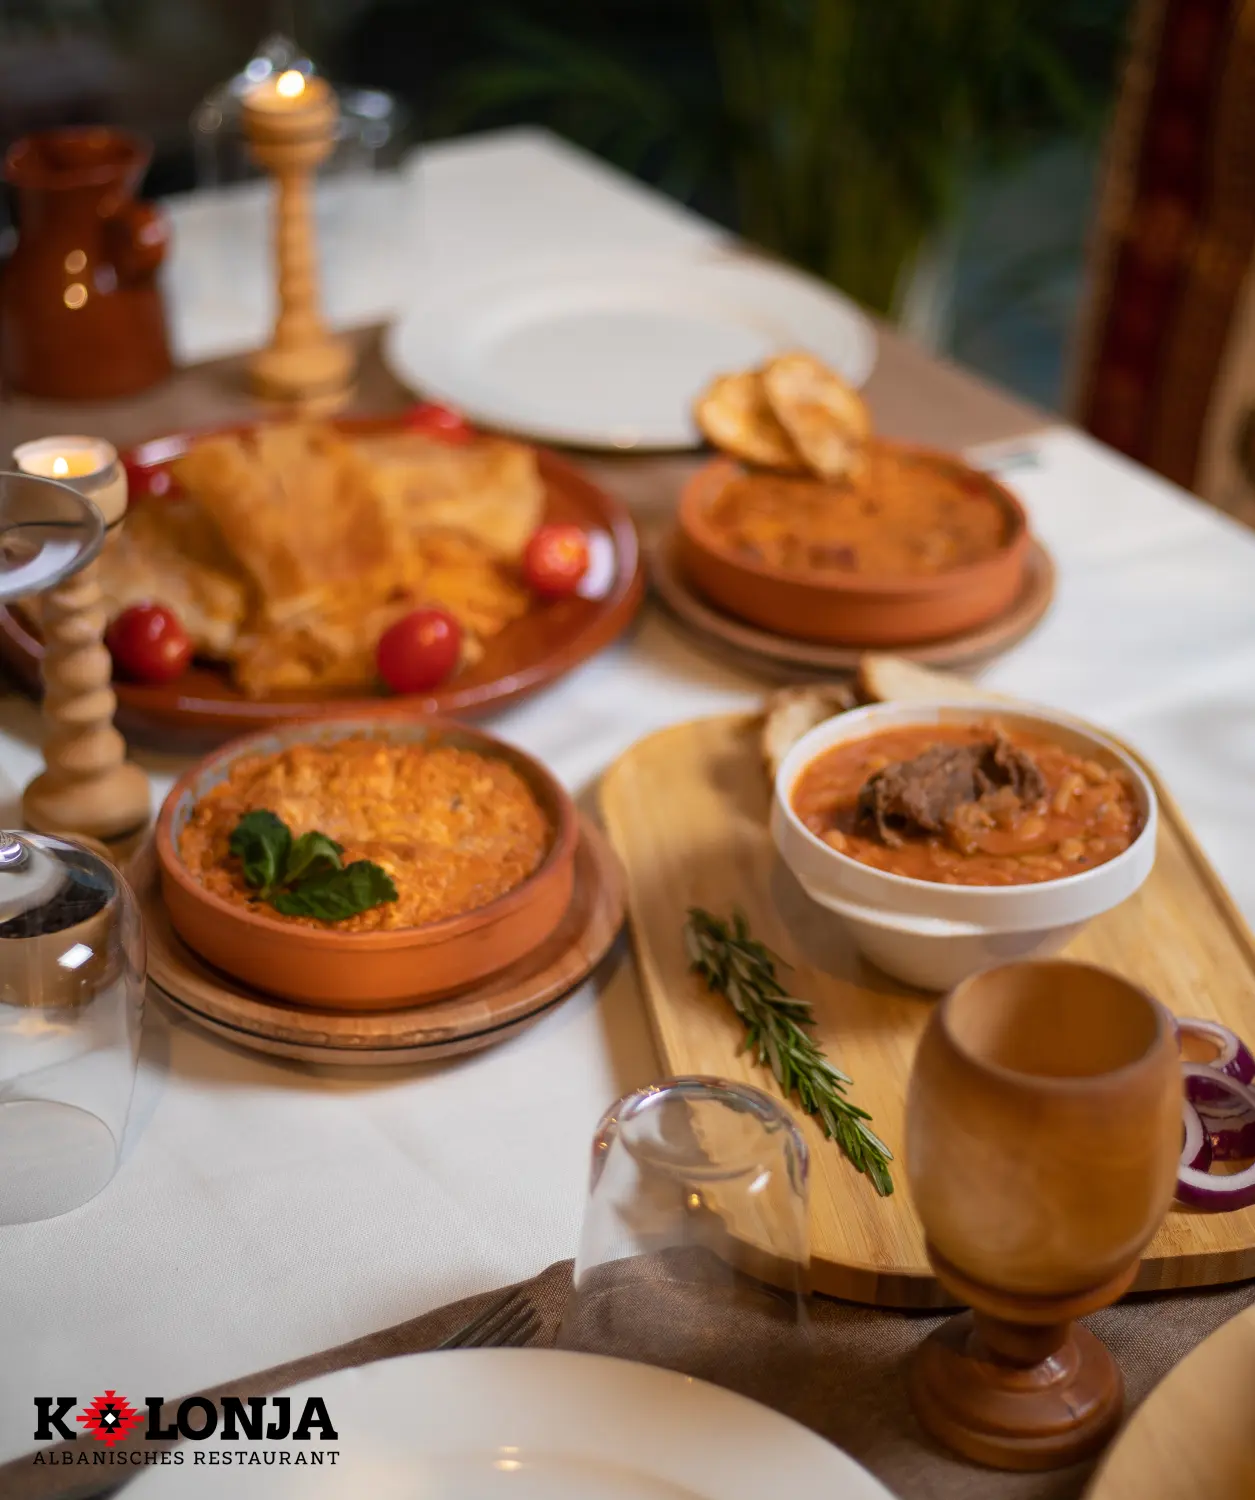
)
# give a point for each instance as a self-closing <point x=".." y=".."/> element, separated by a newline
<point x="743" y="970"/>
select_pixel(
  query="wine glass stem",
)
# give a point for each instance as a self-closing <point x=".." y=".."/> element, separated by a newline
<point x="1020" y="1344"/>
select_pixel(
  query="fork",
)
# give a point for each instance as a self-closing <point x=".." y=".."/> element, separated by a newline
<point x="507" y="1323"/>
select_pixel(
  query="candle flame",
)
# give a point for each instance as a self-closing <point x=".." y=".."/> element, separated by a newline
<point x="290" y="84"/>
<point x="60" y="468"/>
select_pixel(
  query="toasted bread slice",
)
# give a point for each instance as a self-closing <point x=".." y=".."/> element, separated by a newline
<point x="825" y="418"/>
<point x="791" y="712"/>
<point x="893" y="679"/>
<point x="733" y="414"/>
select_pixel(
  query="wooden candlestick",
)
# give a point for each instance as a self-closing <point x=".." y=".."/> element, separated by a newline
<point x="290" y="124"/>
<point x="1043" y="1135"/>
<point x="88" y="786"/>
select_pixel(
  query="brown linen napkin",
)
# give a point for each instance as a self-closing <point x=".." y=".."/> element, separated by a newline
<point x="843" y="1376"/>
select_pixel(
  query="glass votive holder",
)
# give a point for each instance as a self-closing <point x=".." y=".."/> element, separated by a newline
<point x="71" y="1004"/>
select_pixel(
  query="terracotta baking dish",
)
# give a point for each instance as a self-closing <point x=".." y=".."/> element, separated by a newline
<point x="842" y="608"/>
<point x="367" y="970"/>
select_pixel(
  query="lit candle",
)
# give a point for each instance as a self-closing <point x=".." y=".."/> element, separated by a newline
<point x="87" y="464"/>
<point x="289" y="93"/>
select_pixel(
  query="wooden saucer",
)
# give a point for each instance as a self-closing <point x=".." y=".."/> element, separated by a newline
<point x="778" y="657"/>
<point x="483" y="1016"/>
<point x="1193" y="1436"/>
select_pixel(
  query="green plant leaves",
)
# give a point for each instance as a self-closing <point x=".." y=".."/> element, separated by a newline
<point x="312" y="854"/>
<point x="335" y="895"/>
<point x="306" y="877"/>
<point x="262" y="842"/>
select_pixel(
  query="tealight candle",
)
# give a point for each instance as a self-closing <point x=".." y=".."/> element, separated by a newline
<point x="288" y="93"/>
<point x="87" y="464"/>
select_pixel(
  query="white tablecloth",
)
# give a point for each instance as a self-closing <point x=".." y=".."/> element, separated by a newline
<point x="265" y="1210"/>
<point x="453" y="208"/>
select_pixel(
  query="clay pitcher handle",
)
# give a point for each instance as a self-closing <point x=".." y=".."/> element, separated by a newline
<point x="137" y="236"/>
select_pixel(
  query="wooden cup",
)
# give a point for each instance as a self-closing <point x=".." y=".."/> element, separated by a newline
<point x="1043" y="1136"/>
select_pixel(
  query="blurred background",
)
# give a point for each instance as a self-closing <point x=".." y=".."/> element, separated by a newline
<point x="935" y="158"/>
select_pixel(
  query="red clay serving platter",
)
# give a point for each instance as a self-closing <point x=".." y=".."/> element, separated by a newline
<point x="203" y="707"/>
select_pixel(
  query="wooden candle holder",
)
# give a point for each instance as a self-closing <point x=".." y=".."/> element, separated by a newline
<point x="87" y="786"/>
<point x="1043" y="1136"/>
<point x="290" y="124"/>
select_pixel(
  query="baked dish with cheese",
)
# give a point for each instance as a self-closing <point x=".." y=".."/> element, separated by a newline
<point x="453" y="828"/>
<point x="378" y="861"/>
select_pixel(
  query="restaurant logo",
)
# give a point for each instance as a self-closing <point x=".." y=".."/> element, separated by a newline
<point x="109" y="1418"/>
<point x="253" y="1419"/>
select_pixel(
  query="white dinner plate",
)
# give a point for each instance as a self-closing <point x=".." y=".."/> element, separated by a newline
<point x="521" y="1424"/>
<point x="612" y="354"/>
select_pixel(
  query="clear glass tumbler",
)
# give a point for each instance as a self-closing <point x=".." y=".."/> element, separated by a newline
<point x="695" y="1227"/>
<point x="71" y="1003"/>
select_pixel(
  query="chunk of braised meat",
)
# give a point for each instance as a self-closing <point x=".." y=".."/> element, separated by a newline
<point x="922" y="796"/>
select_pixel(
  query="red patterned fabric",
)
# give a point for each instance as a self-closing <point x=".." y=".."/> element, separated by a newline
<point x="1176" y="233"/>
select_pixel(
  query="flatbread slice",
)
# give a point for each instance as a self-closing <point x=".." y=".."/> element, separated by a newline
<point x="295" y="505"/>
<point x="733" y="414"/>
<point x="489" y="489"/>
<point x="170" y="552"/>
<point x="331" y="648"/>
<point x="826" y="419"/>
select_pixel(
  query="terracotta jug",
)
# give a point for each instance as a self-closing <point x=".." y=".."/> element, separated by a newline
<point x="80" y="312"/>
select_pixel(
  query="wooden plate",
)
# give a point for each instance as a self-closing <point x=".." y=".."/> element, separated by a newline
<point x="777" y="656"/>
<point x="481" y="1017"/>
<point x="202" y="707"/>
<point x="1193" y="1438"/>
<point x="687" y="810"/>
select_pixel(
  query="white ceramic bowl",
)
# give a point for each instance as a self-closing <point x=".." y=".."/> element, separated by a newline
<point x="934" y="935"/>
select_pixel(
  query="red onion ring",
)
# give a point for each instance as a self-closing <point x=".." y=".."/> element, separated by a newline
<point x="1233" y="1057"/>
<point x="1231" y="1142"/>
<point x="1229" y="1122"/>
<point x="1196" y="1187"/>
<point x="1196" y="1147"/>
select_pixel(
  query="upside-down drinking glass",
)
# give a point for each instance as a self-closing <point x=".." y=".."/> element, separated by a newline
<point x="695" y="1226"/>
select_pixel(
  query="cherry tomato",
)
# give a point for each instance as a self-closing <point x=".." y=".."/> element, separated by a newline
<point x="419" y="651"/>
<point x="148" y="643"/>
<point x="555" y="560"/>
<point x="440" y="422"/>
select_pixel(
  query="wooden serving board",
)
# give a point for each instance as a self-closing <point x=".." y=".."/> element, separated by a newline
<point x="1193" y="1438"/>
<point x="504" y="1004"/>
<point x="687" y="810"/>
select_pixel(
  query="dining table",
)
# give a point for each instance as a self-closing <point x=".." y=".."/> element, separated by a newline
<point x="264" y="1210"/>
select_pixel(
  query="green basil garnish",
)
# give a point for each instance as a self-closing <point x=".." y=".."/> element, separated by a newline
<point x="262" y="844"/>
<point x="336" y="894"/>
<point x="306" y="877"/>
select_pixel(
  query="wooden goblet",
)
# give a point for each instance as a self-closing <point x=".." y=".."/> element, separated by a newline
<point x="1043" y="1135"/>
